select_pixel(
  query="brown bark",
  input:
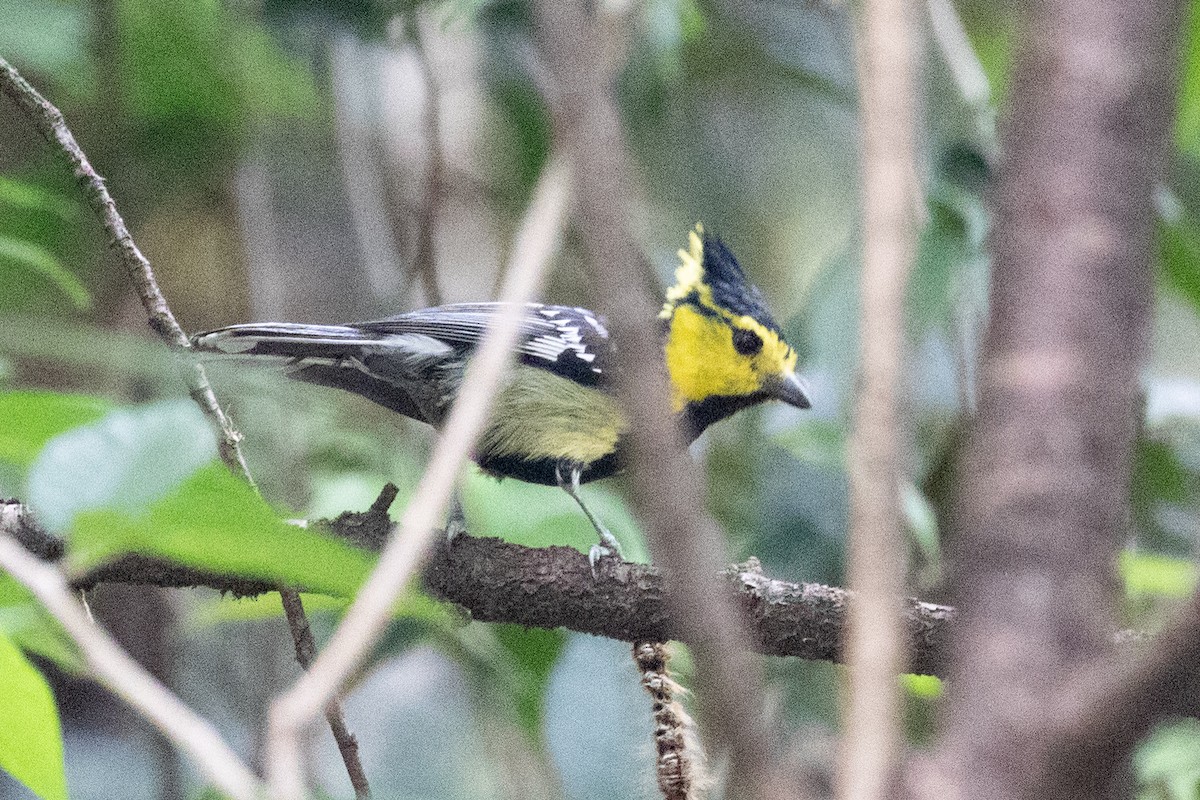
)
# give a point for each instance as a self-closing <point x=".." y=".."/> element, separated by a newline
<point x="1044" y="499"/>
<point x="553" y="587"/>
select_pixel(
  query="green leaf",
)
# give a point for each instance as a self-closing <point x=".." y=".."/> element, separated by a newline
<point x="43" y="262"/>
<point x="1150" y="574"/>
<point x="1179" y="255"/>
<point x="1187" y="122"/>
<point x="200" y="60"/>
<point x="281" y="85"/>
<point x="1158" y="474"/>
<point x="921" y="520"/>
<point x="210" y="612"/>
<point x="1166" y="765"/>
<point x="412" y="605"/>
<point x="31" y="747"/>
<point x="30" y="419"/>
<point x="20" y="194"/>
<point x="994" y="34"/>
<point x="51" y="39"/>
<point x="124" y="461"/>
<point x="1160" y="481"/>
<point x="145" y="480"/>
<point x="215" y="521"/>
<point x="943" y="250"/>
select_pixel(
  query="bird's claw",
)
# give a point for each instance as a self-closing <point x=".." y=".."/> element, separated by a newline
<point x="607" y="547"/>
<point x="455" y="527"/>
<point x="596" y="554"/>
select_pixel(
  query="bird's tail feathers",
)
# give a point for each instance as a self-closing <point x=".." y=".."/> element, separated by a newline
<point x="284" y="340"/>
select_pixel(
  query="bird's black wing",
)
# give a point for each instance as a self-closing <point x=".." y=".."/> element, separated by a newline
<point x="569" y="341"/>
<point x="413" y="363"/>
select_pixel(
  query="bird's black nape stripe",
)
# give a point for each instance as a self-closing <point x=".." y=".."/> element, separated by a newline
<point x="730" y="289"/>
<point x="693" y="299"/>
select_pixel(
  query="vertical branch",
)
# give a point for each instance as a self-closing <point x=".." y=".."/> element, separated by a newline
<point x="1043" y="505"/>
<point x="673" y="762"/>
<point x="684" y="541"/>
<point x="877" y="552"/>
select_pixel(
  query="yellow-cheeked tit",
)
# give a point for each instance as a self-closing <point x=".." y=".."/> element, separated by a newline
<point x="556" y="420"/>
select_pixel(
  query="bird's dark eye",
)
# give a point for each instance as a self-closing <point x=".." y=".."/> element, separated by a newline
<point x="748" y="343"/>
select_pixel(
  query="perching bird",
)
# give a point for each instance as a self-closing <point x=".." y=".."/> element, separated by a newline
<point x="556" y="420"/>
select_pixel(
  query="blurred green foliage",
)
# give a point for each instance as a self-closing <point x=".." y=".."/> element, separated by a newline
<point x="1166" y="764"/>
<point x="31" y="419"/>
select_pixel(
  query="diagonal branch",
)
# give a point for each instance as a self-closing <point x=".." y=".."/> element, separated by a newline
<point x="49" y="122"/>
<point x="1108" y="710"/>
<point x="366" y="619"/>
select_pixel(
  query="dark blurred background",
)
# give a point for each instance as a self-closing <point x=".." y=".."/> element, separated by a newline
<point x="334" y="161"/>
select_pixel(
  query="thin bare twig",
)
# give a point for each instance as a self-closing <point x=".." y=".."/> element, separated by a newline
<point x="125" y="678"/>
<point x="49" y="122"/>
<point x="306" y="651"/>
<point x="877" y="551"/>
<point x="401" y="558"/>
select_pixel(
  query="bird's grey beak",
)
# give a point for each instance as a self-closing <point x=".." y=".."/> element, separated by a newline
<point x="791" y="389"/>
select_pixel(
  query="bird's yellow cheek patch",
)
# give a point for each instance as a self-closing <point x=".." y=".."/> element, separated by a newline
<point x="701" y="359"/>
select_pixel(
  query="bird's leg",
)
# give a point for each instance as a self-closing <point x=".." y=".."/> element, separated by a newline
<point x="608" y="546"/>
